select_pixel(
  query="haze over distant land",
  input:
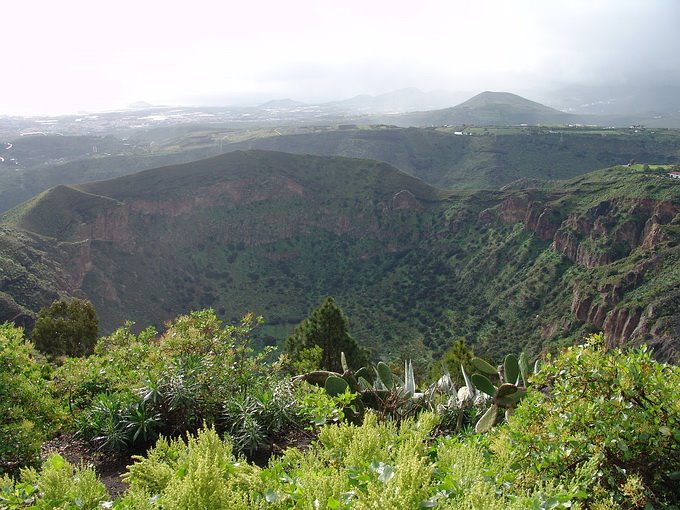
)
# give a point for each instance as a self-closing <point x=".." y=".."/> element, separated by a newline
<point x="69" y="56"/>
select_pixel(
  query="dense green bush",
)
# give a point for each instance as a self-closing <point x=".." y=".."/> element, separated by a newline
<point x="117" y="361"/>
<point x="199" y="473"/>
<point x="374" y="465"/>
<point x="597" y="429"/>
<point x="614" y="415"/>
<point x="135" y="387"/>
<point x="27" y="413"/>
<point x="57" y="485"/>
<point x="200" y="371"/>
<point x="66" y="328"/>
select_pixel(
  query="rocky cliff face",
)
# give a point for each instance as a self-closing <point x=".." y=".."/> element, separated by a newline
<point x="601" y="235"/>
<point x="611" y="230"/>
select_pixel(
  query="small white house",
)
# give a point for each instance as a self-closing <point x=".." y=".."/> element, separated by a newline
<point x="674" y="175"/>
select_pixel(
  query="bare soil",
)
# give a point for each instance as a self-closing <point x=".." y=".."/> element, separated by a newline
<point x="110" y="466"/>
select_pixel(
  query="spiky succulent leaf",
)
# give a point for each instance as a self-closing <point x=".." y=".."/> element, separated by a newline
<point x="537" y="366"/>
<point x="482" y="383"/>
<point x="472" y="393"/>
<point x="385" y="375"/>
<point x="483" y="366"/>
<point x="409" y="379"/>
<point x="343" y="362"/>
<point x="487" y="420"/>
<point x="445" y="384"/>
<point x="511" y="366"/>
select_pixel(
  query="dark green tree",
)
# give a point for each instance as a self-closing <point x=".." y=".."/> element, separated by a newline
<point x="326" y="327"/>
<point x="66" y="328"/>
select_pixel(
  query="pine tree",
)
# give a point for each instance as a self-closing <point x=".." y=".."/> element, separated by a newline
<point x="326" y="327"/>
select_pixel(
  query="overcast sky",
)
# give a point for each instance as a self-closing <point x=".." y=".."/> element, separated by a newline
<point x="64" y="56"/>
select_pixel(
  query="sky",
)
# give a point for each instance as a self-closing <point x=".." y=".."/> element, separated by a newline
<point x="68" y="56"/>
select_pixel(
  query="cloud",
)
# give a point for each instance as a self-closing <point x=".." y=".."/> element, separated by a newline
<point x="73" y="55"/>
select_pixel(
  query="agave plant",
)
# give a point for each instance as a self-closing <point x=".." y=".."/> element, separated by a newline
<point x="381" y="390"/>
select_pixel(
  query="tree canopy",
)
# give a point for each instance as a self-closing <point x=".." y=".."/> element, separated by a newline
<point x="66" y="328"/>
<point x="326" y="327"/>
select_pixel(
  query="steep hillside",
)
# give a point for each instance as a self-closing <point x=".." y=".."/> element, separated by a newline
<point x="263" y="231"/>
<point x="31" y="275"/>
<point x="541" y="266"/>
<point x="413" y="267"/>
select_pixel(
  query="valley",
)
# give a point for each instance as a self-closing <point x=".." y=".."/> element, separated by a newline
<point x="532" y="266"/>
<point x="340" y="255"/>
<point x="502" y="233"/>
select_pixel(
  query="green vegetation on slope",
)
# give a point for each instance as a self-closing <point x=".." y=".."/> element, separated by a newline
<point x="28" y="414"/>
<point x="468" y="157"/>
<point x="414" y="268"/>
<point x="483" y="157"/>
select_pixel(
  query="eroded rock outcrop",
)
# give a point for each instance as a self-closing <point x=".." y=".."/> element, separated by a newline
<point x="612" y="230"/>
<point x="609" y="231"/>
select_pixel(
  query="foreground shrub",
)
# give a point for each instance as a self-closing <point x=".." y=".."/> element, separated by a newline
<point x="199" y="372"/>
<point x="57" y="485"/>
<point x="27" y="413"/>
<point x="374" y="465"/>
<point x="609" y="417"/>
<point x="199" y="473"/>
<point x="66" y="328"/>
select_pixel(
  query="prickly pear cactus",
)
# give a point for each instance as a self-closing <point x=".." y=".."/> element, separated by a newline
<point x="385" y="375"/>
<point x="335" y="385"/>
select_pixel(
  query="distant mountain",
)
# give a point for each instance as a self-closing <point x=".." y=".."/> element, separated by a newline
<point x="281" y="104"/>
<point x="658" y="97"/>
<point x="140" y="105"/>
<point x="413" y="267"/>
<point x="490" y="109"/>
<point x="398" y="101"/>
